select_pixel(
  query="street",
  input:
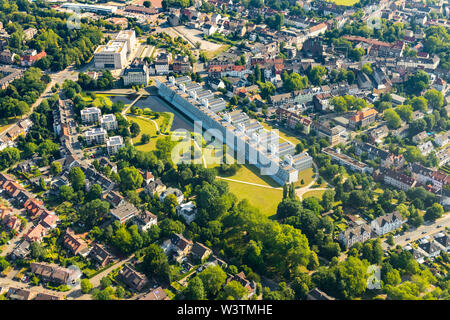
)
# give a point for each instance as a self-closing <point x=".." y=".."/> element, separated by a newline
<point x="416" y="234"/>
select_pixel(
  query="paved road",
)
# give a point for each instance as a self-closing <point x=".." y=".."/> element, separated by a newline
<point x="250" y="183"/>
<point x="416" y="234"/>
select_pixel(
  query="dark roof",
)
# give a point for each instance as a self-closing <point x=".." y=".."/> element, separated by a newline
<point x="316" y="294"/>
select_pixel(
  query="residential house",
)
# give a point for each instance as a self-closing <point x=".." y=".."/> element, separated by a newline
<point x="387" y="223"/>
<point x="179" y="245"/>
<point x="100" y="255"/>
<point x="200" y="252"/>
<point x="172" y="191"/>
<point x="75" y="243"/>
<point x="36" y="234"/>
<point x="109" y="122"/>
<point x="398" y="180"/>
<point x="155" y="294"/>
<point x="20" y="294"/>
<point x="316" y="294"/>
<point x="54" y="273"/>
<point x="426" y="147"/>
<point x="30" y="57"/>
<point x="146" y="219"/>
<point x="355" y="234"/>
<point x="431" y="249"/>
<point x="114" y="198"/>
<point x="134" y="279"/>
<point x="418" y="138"/>
<point x="363" y="118"/>
<point x="124" y="212"/>
<point x="90" y="115"/>
<point x="247" y="284"/>
<point x="155" y="187"/>
<point x="148" y="177"/>
<point x="113" y="144"/>
<point x="188" y="211"/>
<point x="442" y="139"/>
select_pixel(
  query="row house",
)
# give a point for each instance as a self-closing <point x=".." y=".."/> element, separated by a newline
<point x="398" y="180"/>
<point x="387" y="159"/>
<point x="291" y="118"/>
<point x="54" y="273"/>
<point x="8" y="219"/>
<point x="425" y="176"/>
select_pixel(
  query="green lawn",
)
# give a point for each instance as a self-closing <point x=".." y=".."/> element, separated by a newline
<point x="100" y="100"/>
<point x="307" y="176"/>
<point x="314" y="193"/>
<point x="147" y="127"/>
<point x="250" y="173"/>
<point x="265" y="199"/>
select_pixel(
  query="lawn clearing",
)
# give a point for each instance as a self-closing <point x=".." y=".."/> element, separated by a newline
<point x="147" y="127"/>
<point x="307" y="176"/>
<point x="265" y="199"/>
<point x="314" y="193"/>
<point x="213" y="53"/>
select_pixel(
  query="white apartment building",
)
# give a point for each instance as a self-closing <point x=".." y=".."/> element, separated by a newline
<point x="90" y="115"/>
<point x="113" y="55"/>
<point x="95" y="136"/>
<point x="109" y="122"/>
<point x="128" y="36"/>
<point x="114" y="144"/>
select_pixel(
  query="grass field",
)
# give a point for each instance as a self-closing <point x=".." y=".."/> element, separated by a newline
<point x="344" y="2"/>
<point x="265" y="199"/>
<point x="314" y="193"/>
<point x="6" y="123"/>
<point x="100" y="100"/>
<point x="307" y="176"/>
<point x="214" y="53"/>
<point x="147" y="127"/>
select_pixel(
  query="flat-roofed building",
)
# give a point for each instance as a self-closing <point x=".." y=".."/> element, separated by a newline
<point x="114" y="144"/>
<point x="113" y="55"/>
<point x="301" y="161"/>
<point x="95" y="136"/>
<point x="90" y="115"/>
<point x="109" y="122"/>
<point x="347" y="161"/>
<point x="128" y="36"/>
<point x="124" y="212"/>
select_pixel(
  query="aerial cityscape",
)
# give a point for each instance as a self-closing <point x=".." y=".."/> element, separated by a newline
<point x="259" y="150"/>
